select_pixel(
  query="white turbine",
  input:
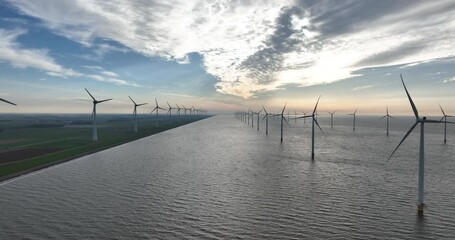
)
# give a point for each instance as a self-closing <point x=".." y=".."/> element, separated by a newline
<point x="157" y="107"/>
<point x="422" y="121"/>
<point x="282" y="118"/>
<point x="444" y="117"/>
<point x="313" y="116"/>
<point x="353" y="119"/>
<point x="331" y="118"/>
<point x="170" y="109"/>
<point x="258" y="119"/>
<point x="266" y="116"/>
<point x="95" y="132"/>
<point x="387" y="116"/>
<point x="178" y="109"/>
<point x="135" y="112"/>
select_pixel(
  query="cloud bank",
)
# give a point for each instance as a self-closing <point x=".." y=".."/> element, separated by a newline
<point x="253" y="46"/>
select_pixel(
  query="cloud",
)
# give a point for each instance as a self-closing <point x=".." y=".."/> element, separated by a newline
<point x="449" y="79"/>
<point x="254" y="46"/>
<point x="19" y="57"/>
<point x="361" y="88"/>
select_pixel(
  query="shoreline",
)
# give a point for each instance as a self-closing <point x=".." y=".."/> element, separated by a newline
<point x="73" y="157"/>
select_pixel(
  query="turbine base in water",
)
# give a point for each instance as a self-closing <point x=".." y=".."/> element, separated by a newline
<point x="421" y="207"/>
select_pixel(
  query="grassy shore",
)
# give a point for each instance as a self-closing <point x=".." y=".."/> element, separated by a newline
<point x="31" y="143"/>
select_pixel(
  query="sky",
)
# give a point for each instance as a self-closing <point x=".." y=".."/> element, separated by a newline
<point x="227" y="55"/>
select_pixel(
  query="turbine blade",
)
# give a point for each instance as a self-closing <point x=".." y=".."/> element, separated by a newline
<point x="285" y="119"/>
<point x="443" y="113"/>
<point x="436" y="121"/>
<point x="316" y="121"/>
<point x="90" y="94"/>
<point x="105" y="100"/>
<point x="169" y="105"/>
<point x="402" y="140"/>
<point x="355" y="111"/>
<point x="264" y="109"/>
<point x="264" y="117"/>
<point x="316" y="106"/>
<point x="3" y="100"/>
<point x="387" y="110"/>
<point x="284" y="108"/>
<point x="416" y="113"/>
<point x="141" y="104"/>
<point x="132" y="100"/>
<point x="383" y="117"/>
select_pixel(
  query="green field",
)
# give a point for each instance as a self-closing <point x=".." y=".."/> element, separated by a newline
<point x="28" y="143"/>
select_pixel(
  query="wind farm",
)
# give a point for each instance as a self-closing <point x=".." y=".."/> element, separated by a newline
<point x="227" y="119"/>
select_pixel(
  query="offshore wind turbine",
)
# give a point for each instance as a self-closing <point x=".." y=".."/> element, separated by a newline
<point x="313" y="116"/>
<point x="331" y="118"/>
<point x="178" y="109"/>
<point x="353" y="119"/>
<point x="135" y="112"/>
<point x="282" y="118"/>
<point x="3" y="100"/>
<point x="157" y="107"/>
<point x="444" y="117"/>
<point x="258" y="118"/>
<point x="266" y="116"/>
<point x="95" y="132"/>
<point x="170" y="109"/>
<point x="387" y="116"/>
<point x="422" y="121"/>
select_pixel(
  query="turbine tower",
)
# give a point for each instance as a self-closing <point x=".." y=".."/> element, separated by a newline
<point x="331" y="118"/>
<point x="422" y="121"/>
<point x="157" y="107"/>
<point x="353" y="119"/>
<point x="3" y="100"/>
<point x="387" y="116"/>
<point x="313" y="116"/>
<point x="444" y="117"/>
<point x="135" y="112"/>
<point x="95" y="132"/>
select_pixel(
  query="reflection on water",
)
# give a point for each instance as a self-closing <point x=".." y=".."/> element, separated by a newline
<point x="219" y="178"/>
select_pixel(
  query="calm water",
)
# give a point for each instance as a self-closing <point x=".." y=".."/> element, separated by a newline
<point x="220" y="179"/>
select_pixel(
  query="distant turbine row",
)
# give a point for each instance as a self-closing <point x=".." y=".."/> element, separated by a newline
<point x="192" y="110"/>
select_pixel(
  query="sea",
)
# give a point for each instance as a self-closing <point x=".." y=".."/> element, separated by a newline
<point x="220" y="178"/>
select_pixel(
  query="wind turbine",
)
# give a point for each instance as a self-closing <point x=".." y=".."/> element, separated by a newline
<point x="313" y="116"/>
<point x="178" y="109"/>
<point x="422" y="121"/>
<point x="170" y="109"/>
<point x="282" y="118"/>
<point x="258" y="118"/>
<point x="135" y="112"/>
<point x="331" y="118"/>
<point x="387" y="116"/>
<point x="353" y="119"/>
<point x="3" y="100"/>
<point x="157" y="107"/>
<point x="266" y="116"/>
<point x="444" y="117"/>
<point x="95" y="132"/>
